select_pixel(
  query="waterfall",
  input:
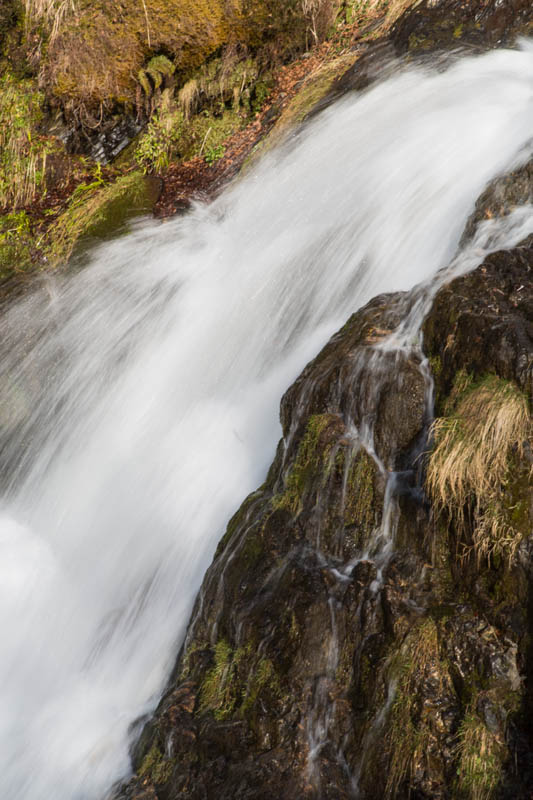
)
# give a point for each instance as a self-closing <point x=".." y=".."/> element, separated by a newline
<point x="139" y="392"/>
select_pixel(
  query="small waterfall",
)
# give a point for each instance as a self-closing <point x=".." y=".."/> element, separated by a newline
<point x="139" y="395"/>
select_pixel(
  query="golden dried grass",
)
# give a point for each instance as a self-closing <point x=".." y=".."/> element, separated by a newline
<point x="469" y="466"/>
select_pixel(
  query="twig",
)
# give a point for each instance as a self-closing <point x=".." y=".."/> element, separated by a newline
<point x="147" y="24"/>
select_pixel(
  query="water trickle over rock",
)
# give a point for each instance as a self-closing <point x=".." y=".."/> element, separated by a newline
<point x="323" y="662"/>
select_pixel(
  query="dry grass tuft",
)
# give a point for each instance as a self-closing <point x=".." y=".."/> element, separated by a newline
<point x="53" y="12"/>
<point x="188" y="98"/>
<point x="469" y="466"/>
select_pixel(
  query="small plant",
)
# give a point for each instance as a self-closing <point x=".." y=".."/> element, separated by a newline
<point x="261" y="93"/>
<point x="214" y="154"/>
<point x="160" y="143"/>
<point x="151" y="77"/>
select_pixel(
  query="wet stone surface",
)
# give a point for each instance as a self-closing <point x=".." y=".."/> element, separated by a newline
<point x="340" y="647"/>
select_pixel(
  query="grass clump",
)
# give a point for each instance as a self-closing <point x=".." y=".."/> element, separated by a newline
<point x="170" y="136"/>
<point x="480" y="759"/>
<point x="225" y="82"/>
<point x="409" y="731"/>
<point x="23" y="152"/>
<point x="470" y="469"/>
<point x="16" y="242"/>
<point x="218" y="693"/>
<point x="53" y="13"/>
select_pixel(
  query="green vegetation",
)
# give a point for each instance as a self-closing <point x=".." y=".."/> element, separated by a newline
<point x="311" y="459"/>
<point x="234" y="683"/>
<point x="359" y="498"/>
<point x="94" y="54"/>
<point x="23" y="153"/>
<point x="96" y="209"/>
<point x="409" y="730"/>
<point x="15" y="242"/>
<point x="152" y="76"/>
<point x="214" y="154"/>
<point x="219" y="691"/>
<point x="475" y="461"/>
<point x="480" y="759"/>
<point x="155" y="766"/>
<point x="170" y="136"/>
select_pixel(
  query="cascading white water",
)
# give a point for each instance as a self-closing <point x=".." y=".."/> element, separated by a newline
<point x="139" y="397"/>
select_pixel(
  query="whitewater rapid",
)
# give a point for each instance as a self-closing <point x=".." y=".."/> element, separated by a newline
<point x="139" y="394"/>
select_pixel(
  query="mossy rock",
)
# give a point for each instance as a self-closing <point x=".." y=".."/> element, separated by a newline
<point x="98" y="212"/>
<point x="100" y="48"/>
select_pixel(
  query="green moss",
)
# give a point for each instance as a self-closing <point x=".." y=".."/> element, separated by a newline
<point x="156" y="767"/>
<point x="420" y="42"/>
<point x="435" y="365"/>
<point x="261" y="92"/>
<point x="226" y="82"/>
<point x="310" y="463"/>
<point x="97" y="52"/>
<point x="264" y="679"/>
<point x="359" y="500"/>
<point x="236" y="681"/>
<point x="97" y="210"/>
<point x="219" y="690"/>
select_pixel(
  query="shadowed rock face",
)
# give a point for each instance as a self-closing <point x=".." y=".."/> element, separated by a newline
<point x="435" y="24"/>
<point x="322" y="662"/>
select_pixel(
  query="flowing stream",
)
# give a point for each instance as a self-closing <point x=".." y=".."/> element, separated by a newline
<point x="139" y="395"/>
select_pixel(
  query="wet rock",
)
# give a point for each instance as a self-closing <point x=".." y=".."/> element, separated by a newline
<point x="440" y="24"/>
<point x="313" y="665"/>
<point x="502" y="196"/>
<point x="483" y="322"/>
